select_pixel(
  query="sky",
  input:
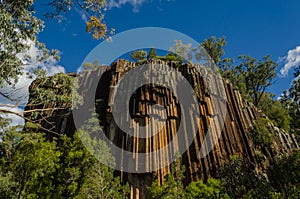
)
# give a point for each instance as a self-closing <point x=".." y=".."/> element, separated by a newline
<point x="251" y="27"/>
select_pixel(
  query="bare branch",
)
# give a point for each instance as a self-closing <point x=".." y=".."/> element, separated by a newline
<point x="27" y="119"/>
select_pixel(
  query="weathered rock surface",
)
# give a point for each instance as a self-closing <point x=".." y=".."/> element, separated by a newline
<point x="235" y="137"/>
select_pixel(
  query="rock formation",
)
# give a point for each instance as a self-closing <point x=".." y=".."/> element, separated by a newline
<point x="235" y="138"/>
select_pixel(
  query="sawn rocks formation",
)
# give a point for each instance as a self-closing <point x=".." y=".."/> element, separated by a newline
<point x="236" y="138"/>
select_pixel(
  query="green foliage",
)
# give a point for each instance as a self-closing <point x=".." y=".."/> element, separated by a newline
<point x="138" y="55"/>
<point x="100" y="183"/>
<point x="49" y="92"/>
<point x="286" y="175"/>
<point x="261" y="134"/>
<point x="182" y="52"/>
<point x="178" y="61"/>
<point x="29" y="171"/>
<point x="33" y="167"/>
<point x="152" y="54"/>
<point x="212" y="189"/>
<point x="276" y="111"/>
<point x="228" y="70"/>
<point x="91" y="66"/>
<point x="239" y="181"/>
<point x="255" y="76"/>
<point x="172" y="186"/>
<point x="19" y="28"/>
<point x="215" y="48"/>
<point x="96" y="26"/>
<point x="171" y="57"/>
<point x="94" y="11"/>
<point x="252" y="77"/>
<point x="74" y="162"/>
<point x="291" y="100"/>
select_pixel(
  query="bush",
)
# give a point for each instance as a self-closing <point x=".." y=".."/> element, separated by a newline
<point x="261" y="134"/>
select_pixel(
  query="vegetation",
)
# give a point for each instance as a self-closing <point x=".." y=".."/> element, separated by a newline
<point x="172" y="186"/>
<point x="286" y="175"/>
<point x="152" y="54"/>
<point x="215" y="48"/>
<point x="138" y="55"/>
<point x="253" y="77"/>
<point x="262" y="136"/>
<point x="19" y="29"/>
<point x="236" y="181"/>
<point x="291" y="101"/>
<point x="275" y="111"/>
<point x="33" y="166"/>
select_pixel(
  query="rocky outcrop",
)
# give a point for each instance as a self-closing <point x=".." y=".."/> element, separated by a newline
<point x="236" y="136"/>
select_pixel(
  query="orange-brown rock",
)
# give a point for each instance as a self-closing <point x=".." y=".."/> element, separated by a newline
<point x="235" y="138"/>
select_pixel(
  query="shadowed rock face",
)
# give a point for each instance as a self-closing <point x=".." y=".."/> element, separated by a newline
<point x="235" y="138"/>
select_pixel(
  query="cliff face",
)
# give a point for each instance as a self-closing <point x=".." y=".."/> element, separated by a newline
<point x="236" y="138"/>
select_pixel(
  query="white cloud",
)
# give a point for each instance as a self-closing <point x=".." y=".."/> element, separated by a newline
<point x="20" y="91"/>
<point x="290" y="61"/>
<point x="119" y="3"/>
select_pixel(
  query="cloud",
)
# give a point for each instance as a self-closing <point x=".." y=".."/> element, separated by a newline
<point x="15" y="120"/>
<point x="82" y="14"/>
<point x="290" y="61"/>
<point x="119" y="3"/>
<point x="20" y="90"/>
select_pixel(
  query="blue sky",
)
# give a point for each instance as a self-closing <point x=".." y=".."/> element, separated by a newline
<point x="255" y="28"/>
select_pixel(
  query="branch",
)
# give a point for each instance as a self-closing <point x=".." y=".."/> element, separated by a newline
<point x="45" y="109"/>
<point x="27" y="119"/>
<point x="7" y="105"/>
<point x="6" y="96"/>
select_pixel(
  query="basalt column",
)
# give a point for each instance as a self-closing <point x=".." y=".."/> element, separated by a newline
<point x="235" y="137"/>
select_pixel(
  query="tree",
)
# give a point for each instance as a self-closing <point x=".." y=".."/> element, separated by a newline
<point x="94" y="11"/>
<point x="252" y="77"/>
<point x="275" y="111"/>
<point x="29" y="170"/>
<point x="152" y="54"/>
<point x="291" y="100"/>
<point x="100" y="183"/>
<point x="34" y="167"/>
<point x="240" y="181"/>
<point x="171" y="57"/>
<point x="255" y="76"/>
<point x="138" y="55"/>
<point x="172" y="187"/>
<point x="261" y="134"/>
<point x="212" y="189"/>
<point x="19" y="28"/>
<point x="215" y="48"/>
<point x="285" y="175"/>
<point x="182" y="52"/>
<point x="91" y="66"/>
